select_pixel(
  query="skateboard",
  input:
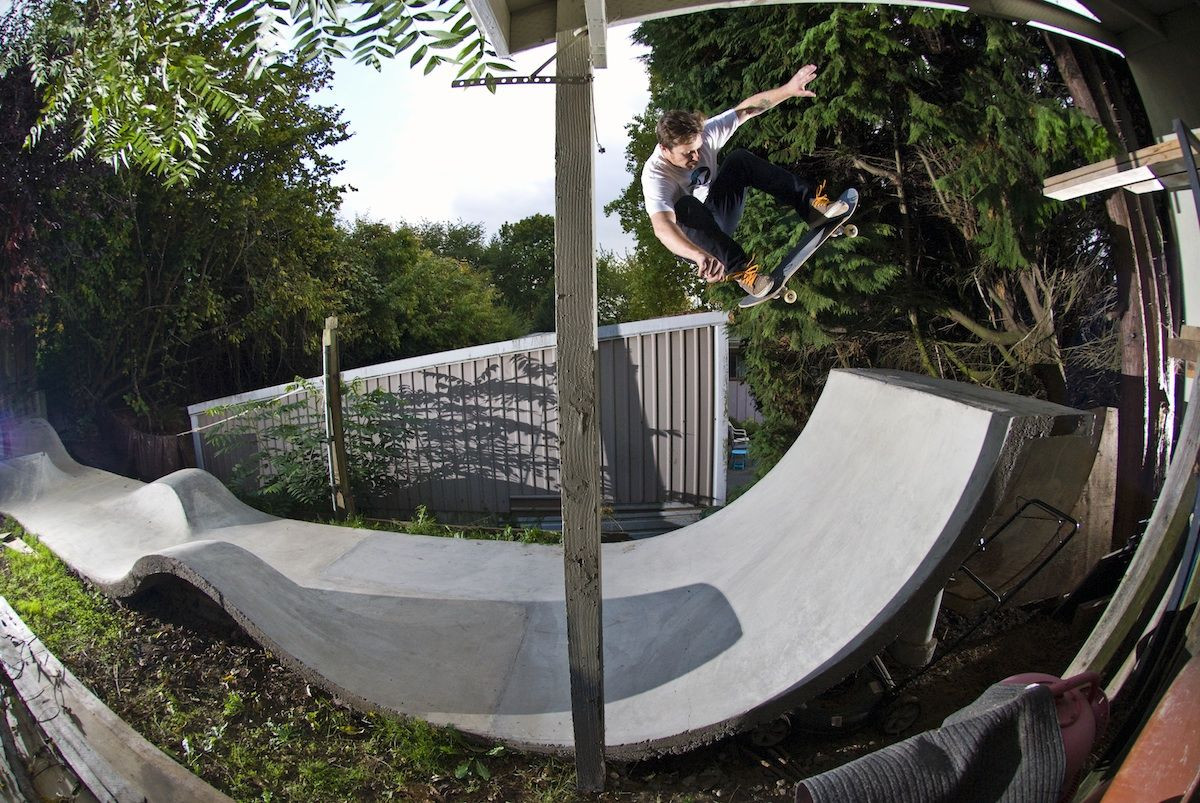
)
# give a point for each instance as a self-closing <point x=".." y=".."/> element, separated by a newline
<point x="808" y="245"/>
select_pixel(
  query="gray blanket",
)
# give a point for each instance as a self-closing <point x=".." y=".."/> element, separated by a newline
<point x="1006" y="746"/>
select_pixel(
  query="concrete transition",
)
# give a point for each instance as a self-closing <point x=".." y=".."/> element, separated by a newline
<point x="707" y="630"/>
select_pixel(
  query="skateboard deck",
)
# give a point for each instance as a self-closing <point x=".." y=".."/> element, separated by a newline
<point x="807" y="246"/>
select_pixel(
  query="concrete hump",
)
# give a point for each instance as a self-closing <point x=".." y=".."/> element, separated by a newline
<point x="206" y="503"/>
<point x="707" y="630"/>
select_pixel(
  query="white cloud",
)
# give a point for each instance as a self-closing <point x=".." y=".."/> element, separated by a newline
<point x="423" y="150"/>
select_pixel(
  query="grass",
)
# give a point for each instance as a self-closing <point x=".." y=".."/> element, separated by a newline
<point x="426" y="524"/>
<point x="70" y="617"/>
<point x="233" y="715"/>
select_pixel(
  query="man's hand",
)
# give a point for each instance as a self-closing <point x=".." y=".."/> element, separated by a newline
<point x="709" y="268"/>
<point x="667" y="230"/>
<point x="798" y="86"/>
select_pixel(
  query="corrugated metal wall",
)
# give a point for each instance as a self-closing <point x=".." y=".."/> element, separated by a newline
<point x="741" y="404"/>
<point x="484" y="421"/>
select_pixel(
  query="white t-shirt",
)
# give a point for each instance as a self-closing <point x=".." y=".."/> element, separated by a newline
<point x="663" y="183"/>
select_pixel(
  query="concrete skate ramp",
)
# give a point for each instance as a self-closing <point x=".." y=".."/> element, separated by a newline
<point x="707" y="629"/>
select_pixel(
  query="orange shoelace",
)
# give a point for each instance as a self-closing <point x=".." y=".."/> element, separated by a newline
<point x="747" y="274"/>
<point x="820" y="199"/>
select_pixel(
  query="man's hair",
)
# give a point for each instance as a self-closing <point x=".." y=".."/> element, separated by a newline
<point x="678" y="126"/>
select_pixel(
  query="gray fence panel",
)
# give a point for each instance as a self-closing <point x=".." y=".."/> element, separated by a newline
<point x="484" y="427"/>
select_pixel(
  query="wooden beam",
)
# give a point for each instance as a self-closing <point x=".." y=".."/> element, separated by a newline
<point x="339" y="467"/>
<point x="578" y="413"/>
<point x="1154" y="564"/>
<point x="597" y="25"/>
<point x="1186" y="347"/>
<point x="495" y="18"/>
<point x="1157" y="167"/>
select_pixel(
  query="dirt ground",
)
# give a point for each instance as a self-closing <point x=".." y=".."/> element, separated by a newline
<point x="198" y="648"/>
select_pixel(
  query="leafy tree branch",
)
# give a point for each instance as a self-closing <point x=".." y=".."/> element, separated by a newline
<point x="135" y="86"/>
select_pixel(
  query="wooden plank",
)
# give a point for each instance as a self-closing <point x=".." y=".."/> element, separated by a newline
<point x="1152" y="567"/>
<point x="111" y="759"/>
<point x="339" y="470"/>
<point x="1160" y="765"/>
<point x="1156" y="167"/>
<point x="578" y="416"/>
<point x="1180" y="349"/>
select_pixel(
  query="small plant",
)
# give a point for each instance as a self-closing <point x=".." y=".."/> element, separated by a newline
<point x="427" y="524"/>
<point x="289" y="459"/>
<point x="234" y="705"/>
<point x="474" y="766"/>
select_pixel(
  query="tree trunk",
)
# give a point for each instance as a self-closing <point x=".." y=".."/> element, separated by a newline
<point x="1146" y="401"/>
<point x="18" y="376"/>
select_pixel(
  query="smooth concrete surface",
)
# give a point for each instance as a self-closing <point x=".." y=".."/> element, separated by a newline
<point x="708" y="629"/>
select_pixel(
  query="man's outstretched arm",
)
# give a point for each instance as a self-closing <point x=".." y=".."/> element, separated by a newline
<point x="797" y="87"/>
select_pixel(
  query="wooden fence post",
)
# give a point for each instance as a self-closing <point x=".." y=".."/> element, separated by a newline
<point x="579" y="419"/>
<point x="339" y="476"/>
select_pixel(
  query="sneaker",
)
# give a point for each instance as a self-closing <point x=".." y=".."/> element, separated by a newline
<point x="754" y="283"/>
<point x="821" y="208"/>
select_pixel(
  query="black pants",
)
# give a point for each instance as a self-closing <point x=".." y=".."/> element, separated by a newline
<point x="711" y="224"/>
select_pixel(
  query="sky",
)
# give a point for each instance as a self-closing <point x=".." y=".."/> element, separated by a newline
<point x="422" y="150"/>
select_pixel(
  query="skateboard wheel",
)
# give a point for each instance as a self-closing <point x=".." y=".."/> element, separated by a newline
<point x="900" y="714"/>
<point x="790" y="296"/>
<point x="850" y="230"/>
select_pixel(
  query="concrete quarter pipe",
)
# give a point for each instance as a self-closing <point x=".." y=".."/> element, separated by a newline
<point x="707" y="629"/>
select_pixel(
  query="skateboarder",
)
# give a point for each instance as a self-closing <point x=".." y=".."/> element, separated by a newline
<point x="695" y="206"/>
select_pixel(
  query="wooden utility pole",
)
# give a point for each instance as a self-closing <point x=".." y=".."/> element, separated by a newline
<point x="579" y="421"/>
<point x="339" y="474"/>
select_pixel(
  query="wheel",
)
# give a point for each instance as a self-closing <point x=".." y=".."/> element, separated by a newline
<point x="769" y="734"/>
<point x="850" y="230"/>
<point x="900" y="714"/>
<point x="789" y="296"/>
<point x="844" y="708"/>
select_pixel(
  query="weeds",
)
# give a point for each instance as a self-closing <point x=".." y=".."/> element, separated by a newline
<point x="427" y="524"/>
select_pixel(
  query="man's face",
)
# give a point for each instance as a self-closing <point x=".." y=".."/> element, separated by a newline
<point x="685" y="154"/>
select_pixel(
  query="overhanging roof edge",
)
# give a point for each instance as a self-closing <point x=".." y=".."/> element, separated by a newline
<point x="494" y="18"/>
<point x="535" y="26"/>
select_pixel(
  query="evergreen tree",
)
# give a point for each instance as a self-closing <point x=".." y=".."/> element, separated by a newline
<point x="947" y="124"/>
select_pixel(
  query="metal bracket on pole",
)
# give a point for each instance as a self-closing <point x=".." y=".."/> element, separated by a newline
<point x="511" y="80"/>
<point x="533" y="78"/>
